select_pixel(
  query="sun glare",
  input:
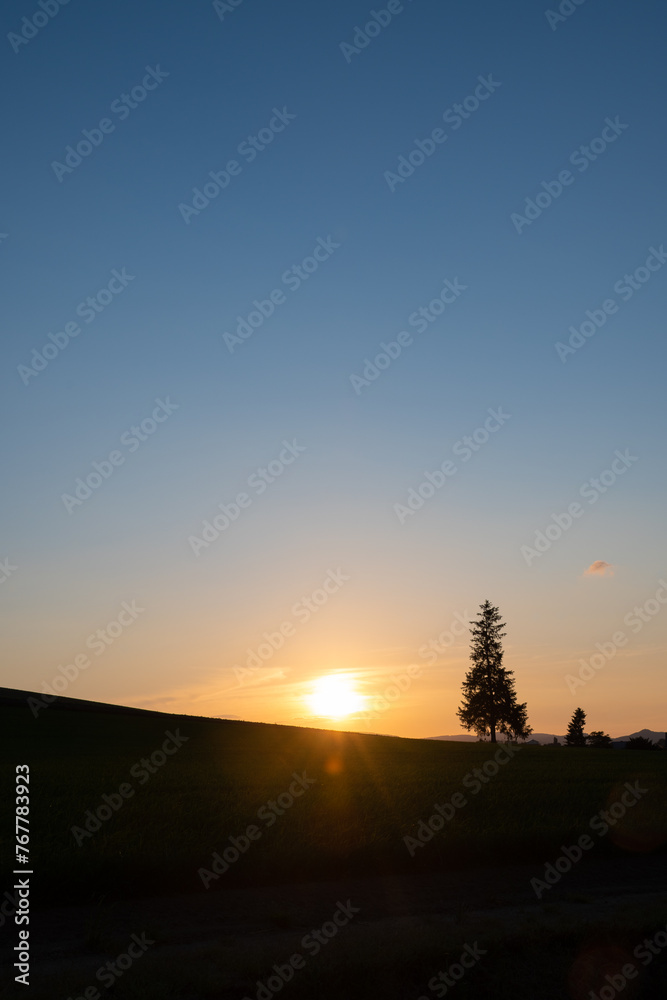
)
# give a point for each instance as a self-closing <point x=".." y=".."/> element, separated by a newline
<point x="334" y="697"/>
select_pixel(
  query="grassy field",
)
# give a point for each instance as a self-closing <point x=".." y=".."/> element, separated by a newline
<point x="306" y="820"/>
<point x="361" y="797"/>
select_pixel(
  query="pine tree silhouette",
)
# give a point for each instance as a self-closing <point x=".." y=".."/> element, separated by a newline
<point x="489" y="700"/>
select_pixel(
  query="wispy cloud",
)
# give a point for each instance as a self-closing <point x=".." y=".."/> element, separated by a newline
<point x="599" y="568"/>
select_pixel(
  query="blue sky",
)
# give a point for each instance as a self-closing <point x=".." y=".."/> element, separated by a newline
<point x="322" y="181"/>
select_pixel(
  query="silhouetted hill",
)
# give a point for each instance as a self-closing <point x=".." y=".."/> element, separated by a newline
<point x="11" y="696"/>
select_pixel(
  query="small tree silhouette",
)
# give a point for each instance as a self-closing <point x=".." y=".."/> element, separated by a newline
<point x="640" y="743"/>
<point x="599" y="739"/>
<point x="575" y="731"/>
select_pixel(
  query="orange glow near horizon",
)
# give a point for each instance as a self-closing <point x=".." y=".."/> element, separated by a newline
<point x="334" y="697"/>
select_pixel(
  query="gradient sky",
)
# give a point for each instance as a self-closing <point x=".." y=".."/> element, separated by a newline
<point x="323" y="178"/>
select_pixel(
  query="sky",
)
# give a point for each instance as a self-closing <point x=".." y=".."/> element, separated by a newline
<point x="325" y="323"/>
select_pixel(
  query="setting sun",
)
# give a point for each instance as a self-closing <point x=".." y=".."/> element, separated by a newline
<point x="334" y="697"/>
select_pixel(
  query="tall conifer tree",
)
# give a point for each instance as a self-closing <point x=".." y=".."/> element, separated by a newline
<point x="575" y="731"/>
<point x="489" y="700"/>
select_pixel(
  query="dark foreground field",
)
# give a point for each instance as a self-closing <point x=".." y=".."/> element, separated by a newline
<point x="231" y="848"/>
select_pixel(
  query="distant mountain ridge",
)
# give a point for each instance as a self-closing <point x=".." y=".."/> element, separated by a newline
<point x="546" y="738"/>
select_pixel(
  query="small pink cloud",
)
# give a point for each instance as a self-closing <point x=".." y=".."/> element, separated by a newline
<point x="599" y="568"/>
